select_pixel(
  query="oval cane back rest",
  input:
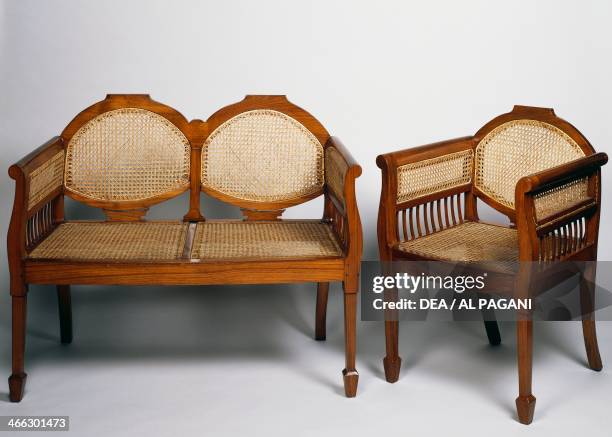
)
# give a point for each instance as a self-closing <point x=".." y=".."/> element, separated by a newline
<point x="127" y="151"/>
<point x="263" y="153"/>
<point x="518" y="144"/>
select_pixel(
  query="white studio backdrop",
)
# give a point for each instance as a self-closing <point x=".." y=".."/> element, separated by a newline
<point x="380" y="75"/>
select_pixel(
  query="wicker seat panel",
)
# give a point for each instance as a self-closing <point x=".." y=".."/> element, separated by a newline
<point x="127" y="155"/>
<point x="467" y="242"/>
<point x="264" y="240"/>
<point x="262" y="156"/>
<point x="516" y="149"/>
<point x="95" y="241"/>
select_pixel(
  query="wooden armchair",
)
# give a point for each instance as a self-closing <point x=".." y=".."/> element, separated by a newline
<point x="128" y="152"/>
<point x="530" y="165"/>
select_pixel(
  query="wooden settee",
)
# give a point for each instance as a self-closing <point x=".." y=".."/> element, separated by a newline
<point x="128" y="152"/>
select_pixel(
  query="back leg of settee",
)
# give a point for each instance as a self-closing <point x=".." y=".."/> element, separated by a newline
<point x="321" y="311"/>
<point x="65" y="313"/>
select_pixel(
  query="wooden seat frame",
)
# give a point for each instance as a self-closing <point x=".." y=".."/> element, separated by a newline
<point x="31" y="224"/>
<point x="394" y="216"/>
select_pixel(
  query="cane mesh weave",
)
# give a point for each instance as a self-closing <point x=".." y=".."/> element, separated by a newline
<point x="46" y="178"/>
<point x="262" y="156"/>
<point x="96" y="241"/>
<point x="264" y="240"/>
<point x="335" y="171"/>
<point x="125" y="155"/>
<point x="434" y="175"/>
<point x="467" y="242"/>
<point x="516" y="149"/>
<point x="562" y="198"/>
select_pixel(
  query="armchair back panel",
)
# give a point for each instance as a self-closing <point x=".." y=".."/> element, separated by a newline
<point x="519" y="148"/>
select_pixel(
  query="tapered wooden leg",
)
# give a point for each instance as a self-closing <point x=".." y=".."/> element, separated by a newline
<point x="65" y="313"/>
<point x="587" y="302"/>
<point x="321" y="311"/>
<point x="18" y="377"/>
<point x="525" y="403"/>
<point x="350" y="375"/>
<point x="392" y="361"/>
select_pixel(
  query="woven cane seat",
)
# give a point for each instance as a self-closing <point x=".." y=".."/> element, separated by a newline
<point x="467" y="242"/>
<point x="166" y="241"/>
<point x="94" y="241"/>
<point x="264" y="240"/>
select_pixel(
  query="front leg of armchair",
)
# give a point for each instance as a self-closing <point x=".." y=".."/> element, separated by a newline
<point x="526" y="401"/>
<point x="557" y="212"/>
<point x="402" y="171"/>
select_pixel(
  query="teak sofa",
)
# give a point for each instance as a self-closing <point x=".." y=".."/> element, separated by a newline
<point x="530" y="165"/>
<point x="128" y="152"/>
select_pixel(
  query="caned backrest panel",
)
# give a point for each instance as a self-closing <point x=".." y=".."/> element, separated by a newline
<point x="262" y="155"/>
<point x="516" y="149"/>
<point x="127" y="154"/>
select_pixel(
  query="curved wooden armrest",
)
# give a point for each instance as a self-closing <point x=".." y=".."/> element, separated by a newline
<point x="36" y="158"/>
<point x="32" y="189"/>
<point x="407" y="156"/>
<point x="38" y="203"/>
<point x="348" y="158"/>
<point x="343" y="212"/>
<point x="391" y="201"/>
<point x="349" y="174"/>
<point x="562" y="204"/>
<point x="556" y="176"/>
<point x="389" y="163"/>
